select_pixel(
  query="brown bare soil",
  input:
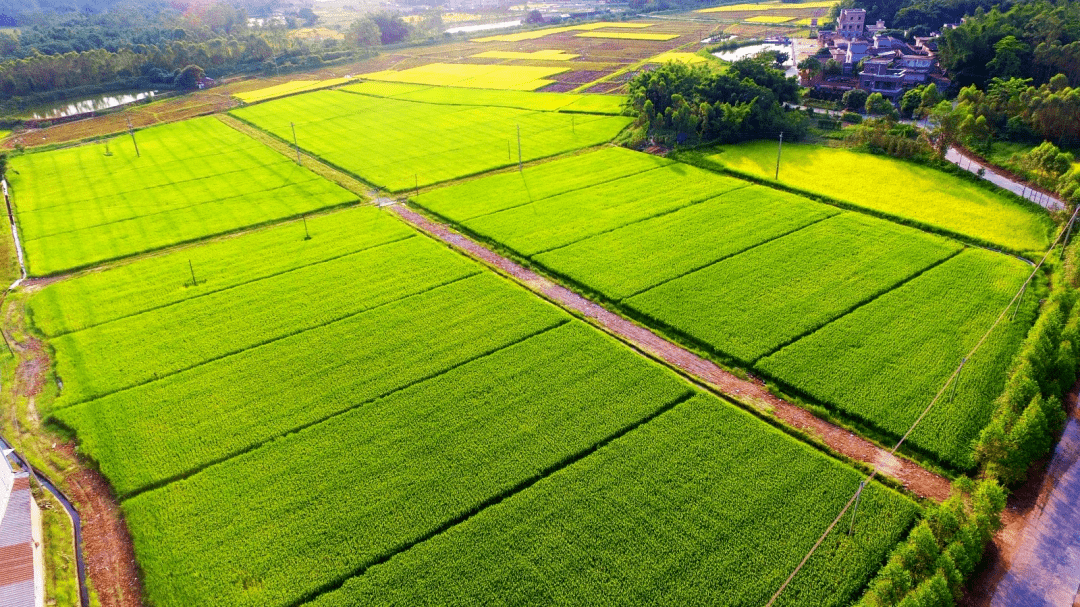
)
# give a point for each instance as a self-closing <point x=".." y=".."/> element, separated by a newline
<point x="752" y="393"/>
<point x="109" y="554"/>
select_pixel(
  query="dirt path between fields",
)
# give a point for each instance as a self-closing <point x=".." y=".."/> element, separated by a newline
<point x="750" y="392"/>
<point x="109" y="554"/>
<point x="1034" y="561"/>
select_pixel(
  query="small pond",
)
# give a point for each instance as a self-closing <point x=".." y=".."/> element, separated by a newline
<point x="104" y="101"/>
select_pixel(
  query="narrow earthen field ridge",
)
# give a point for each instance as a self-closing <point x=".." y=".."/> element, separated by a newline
<point x="915" y="478"/>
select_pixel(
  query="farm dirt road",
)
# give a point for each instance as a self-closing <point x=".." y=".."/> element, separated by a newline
<point x="752" y="393"/>
<point x="110" y="556"/>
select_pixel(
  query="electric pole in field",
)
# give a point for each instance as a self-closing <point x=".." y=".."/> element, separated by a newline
<point x="858" y="496"/>
<point x="295" y="145"/>
<point x="778" y="148"/>
<point x="307" y="235"/>
<point x="192" y="268"/>
<point x="519" y="147"/>
<point x="131" y="131"/>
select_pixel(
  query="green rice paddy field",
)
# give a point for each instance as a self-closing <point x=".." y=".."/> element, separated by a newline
<point x="399" y="144"/>
<point x="343" y="411"/>
<point x="267" y="458"/>
<point x="753" y="275"/>
<point x="92" y="203"/>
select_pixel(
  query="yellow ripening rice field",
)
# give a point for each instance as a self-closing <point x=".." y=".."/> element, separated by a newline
<point x="628" y="36"/>
<point x="770" y="19"/>
<point x="534" y="34"/>
<point x="766" y="6"/>
<point x="503" y="77"/>
<point x="544" y="55"/>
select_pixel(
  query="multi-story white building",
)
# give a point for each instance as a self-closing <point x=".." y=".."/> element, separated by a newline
<point x="851" y="23"/>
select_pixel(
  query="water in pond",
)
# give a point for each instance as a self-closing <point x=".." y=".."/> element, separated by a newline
<point x="61" y="109"/>
<point x="754" y="49"/>
<point x="484" y="26"/>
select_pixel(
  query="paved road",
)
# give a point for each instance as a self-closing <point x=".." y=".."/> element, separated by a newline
<point x="1045" y="571"/>
<point x="970" y="164"/>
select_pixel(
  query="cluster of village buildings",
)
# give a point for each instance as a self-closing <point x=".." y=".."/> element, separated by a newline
<point x="873" y="61"/>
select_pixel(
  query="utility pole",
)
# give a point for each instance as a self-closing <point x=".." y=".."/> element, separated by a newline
<point x="508" y="150"/>
<point x="307" y="235"/>
<point x="519" y="147"/>
<point x="963" y="361"/>
<point x="855" y="510"/>
<point x="192" y="268"/>
<point x="778" y="148"/>
<point x="295" y="145"/>
<point x="573" y="125"/>
<point x="131" y="132"/>
<point x="416" y="187"/>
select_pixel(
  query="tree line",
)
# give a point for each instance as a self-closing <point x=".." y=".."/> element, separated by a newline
<point x="679" y="104"/>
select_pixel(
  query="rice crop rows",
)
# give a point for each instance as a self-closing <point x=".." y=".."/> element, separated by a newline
<point x="81" y="206"/>
<point x="791" y="285"/>
<point x="639" y="256"/>
<point x="116" y="355"/>
<point x="321" y="503"/>
<point x="99" y="297"/>
<point x="151" y="433"/>
<point x="540" y="33"/>
<point x="400" y="144"/>
<point x="884" y="362"/>
<point x="560" y="220"/>
<point x="628" y="36"/>
<point x="541" y="55"/>
<point x="547" y="102"/>
<point x="628" y="526"/>
<point x="470" y="75"/>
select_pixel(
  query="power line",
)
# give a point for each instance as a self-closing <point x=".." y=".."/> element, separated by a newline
<point x="950" y="380"/>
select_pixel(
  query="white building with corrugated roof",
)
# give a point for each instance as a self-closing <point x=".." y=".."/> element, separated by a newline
<point x="22" y="579"/>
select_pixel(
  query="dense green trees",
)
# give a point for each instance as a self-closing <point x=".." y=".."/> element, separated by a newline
<point x="679" y="104"/>
<point x="1037" y="39"/>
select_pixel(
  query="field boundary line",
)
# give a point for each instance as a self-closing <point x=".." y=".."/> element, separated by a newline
<point x="558" y="110"/>
<point x="232" y="286"/>
<point x="269" y="341"/>
<point x="416" y="199"/>
<point x="751" y="394"/>
<point x="691" y="203"/>
<point x="730" y="255"/>
<point x="949" y="381"/>
<point x="254" y="447"/>
<point x="64" y="272"/>
<point x="498" y="498"/>
<point x="486" y="171"/>
<point x="865" y="302"/>
<point x="333" y="173"/>
<point x="138" y="190"/>
<point x="181" y="208"/>
<point x="47" y="279"/>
